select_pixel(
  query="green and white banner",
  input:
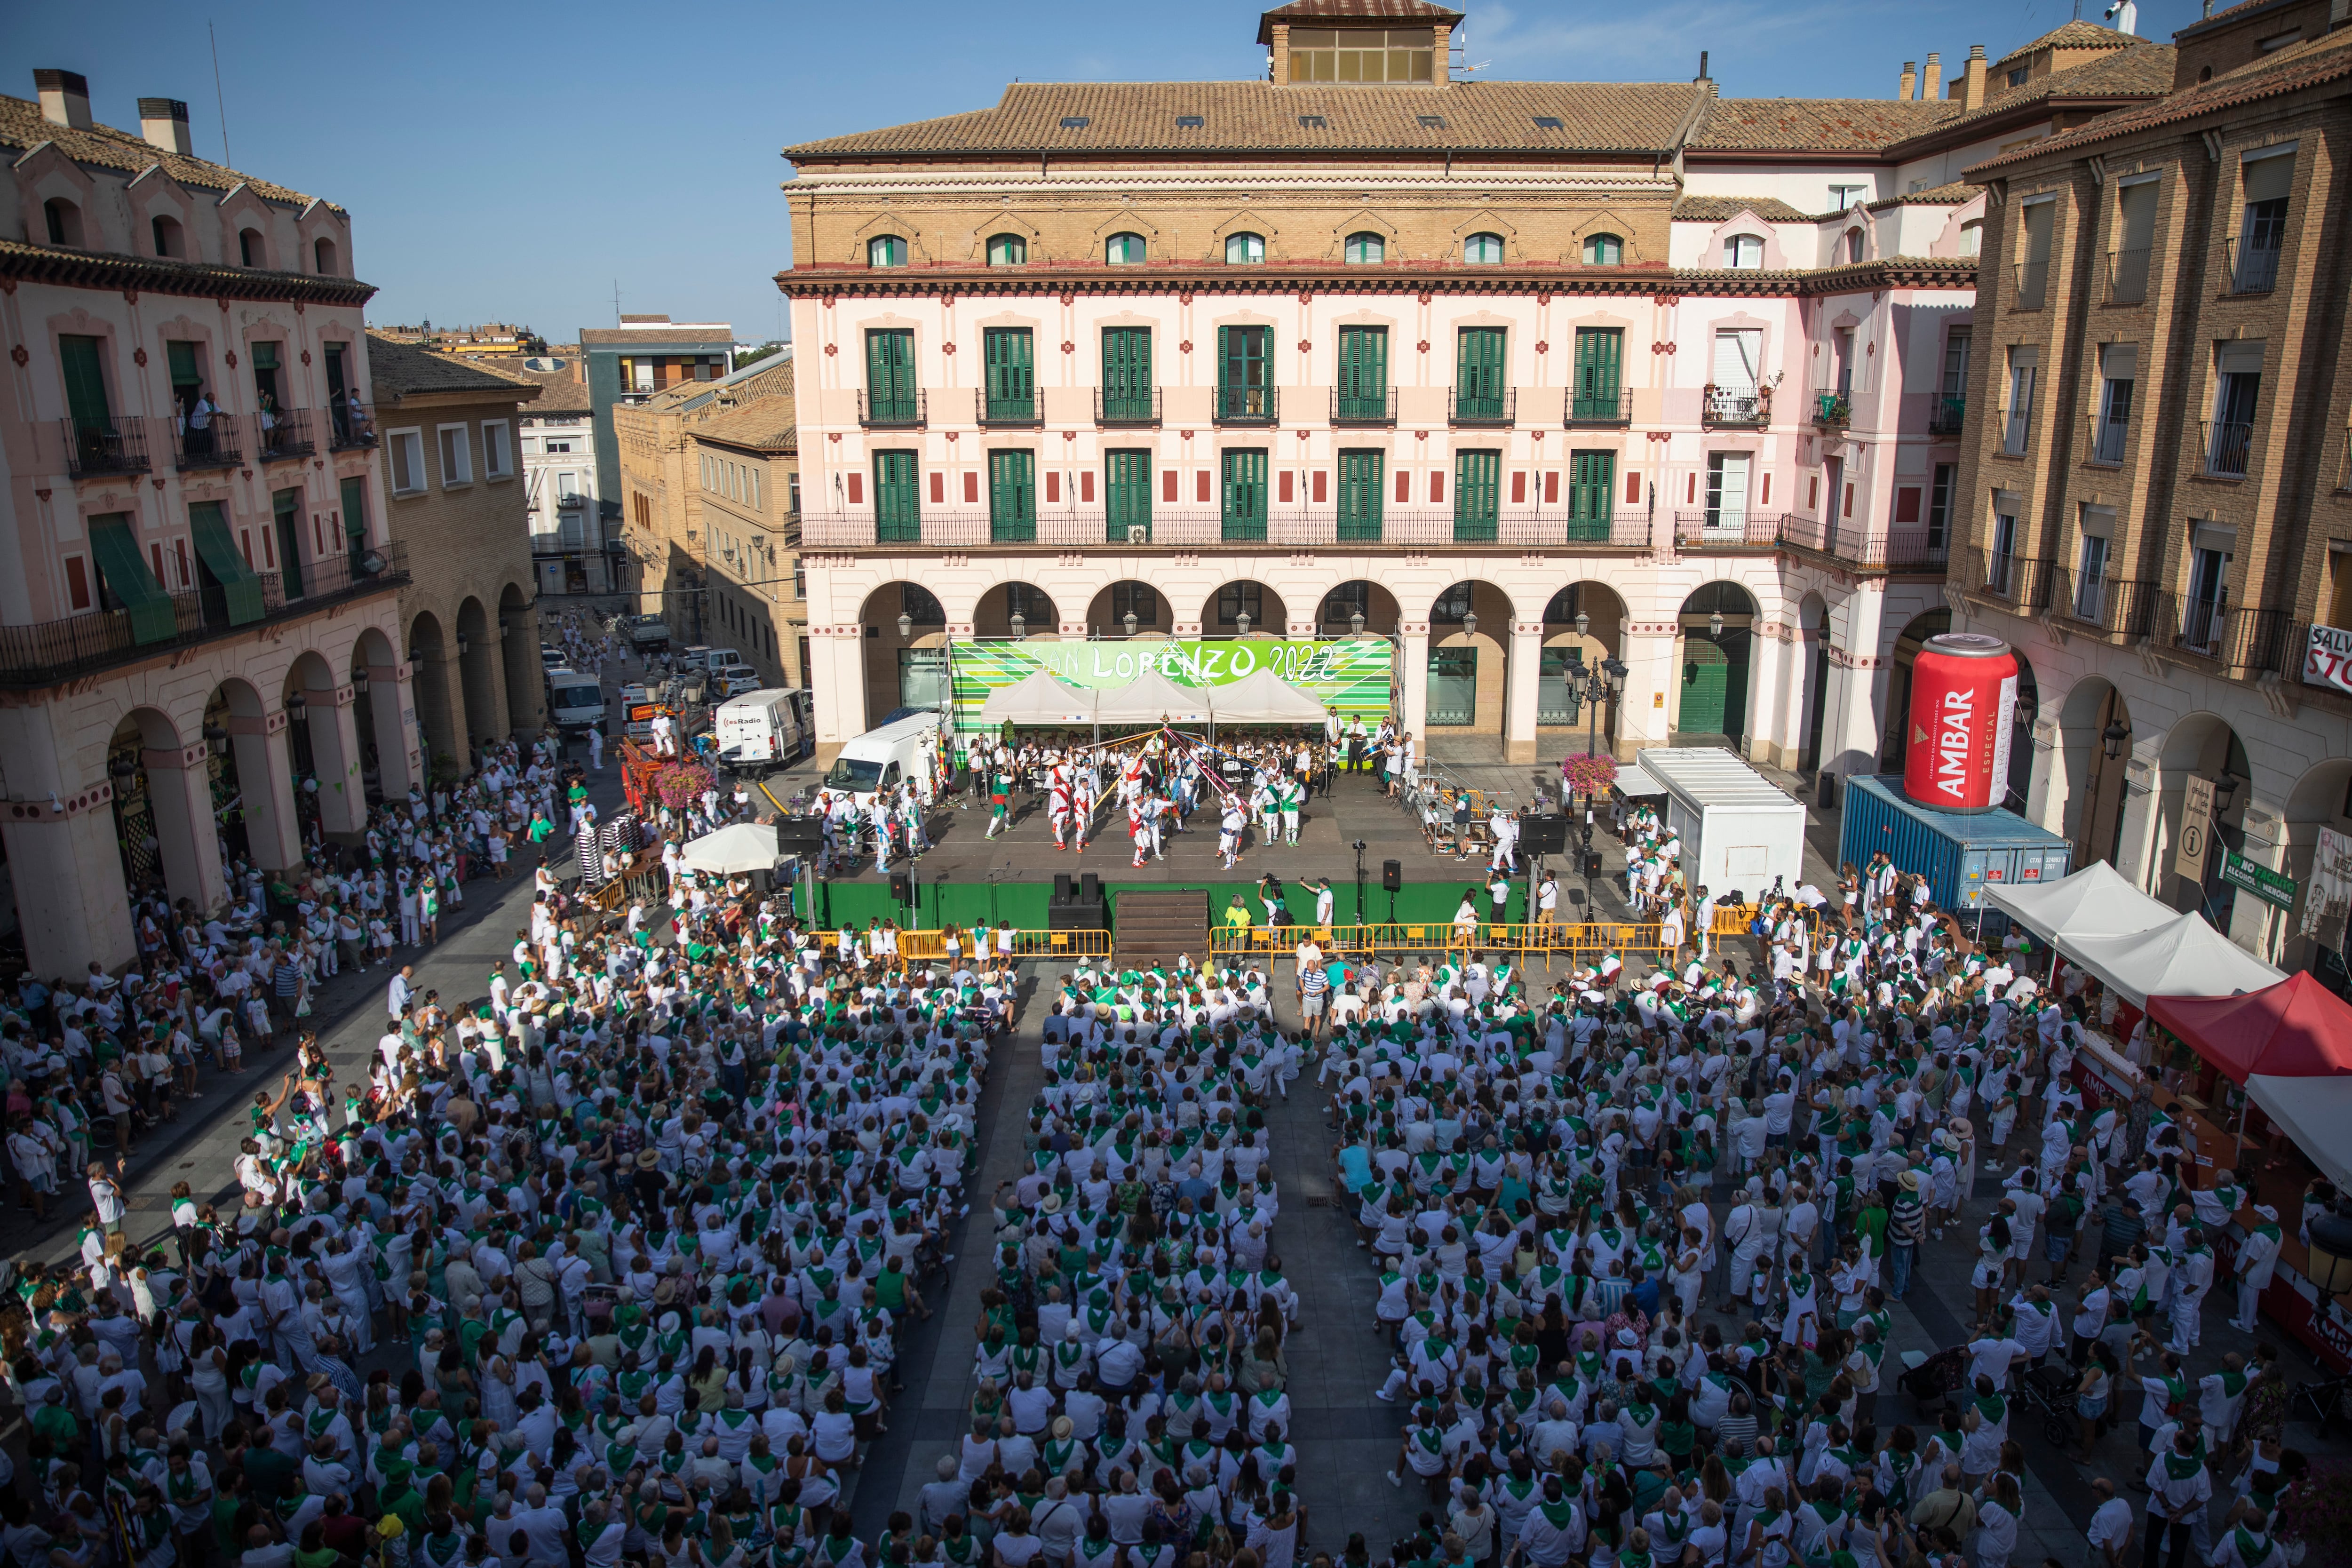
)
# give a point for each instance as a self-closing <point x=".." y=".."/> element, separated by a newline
<point x="1352" y="674"/>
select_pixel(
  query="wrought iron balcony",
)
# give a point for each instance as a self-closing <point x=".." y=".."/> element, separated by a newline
<point x="350" y="423"/>
<point x="2033" y="285"/>
<point x="1608" y="406"/>
<point x="1947" y="417"/>
<point x="216" y="445"/>
<point x="1003" y="412"/>
<point x="1832" y="410"/>
<point x="2229" y="446"/>
<point x="96" y="447"/>
<point x="1494" y="408"/>
<point x="1364" y="408"/>
<point x="285" y="433"/>
<point x="1129" y="408"/>
<point x="1246" y="405"/>
<point x="890" y="413"/>
<point x="1737" y="407"/>
<point x="2128" y="276"/>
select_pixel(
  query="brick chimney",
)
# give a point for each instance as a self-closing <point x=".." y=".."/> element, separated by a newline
<point x="1931" y="86"/>
<point x="164" y="121"/>
<point x="1910" y="80"/>
<point x="1973" y="84"/>
<point x="65" y="97"/>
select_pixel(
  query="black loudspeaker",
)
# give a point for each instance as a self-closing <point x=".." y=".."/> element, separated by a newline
<point x="1392" y="876"/>
<point x="799" y="834"/>
<point x="1061" y="889"/>
<point x="1546" y="835"/>
<point x="1591" y="867"/>
<point x="1077" y="917"/>
<point x="902" y="887"/>
<point x="1090" y="888"/>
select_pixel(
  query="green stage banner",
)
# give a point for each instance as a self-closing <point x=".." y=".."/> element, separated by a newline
<point x="1352" y="674"/>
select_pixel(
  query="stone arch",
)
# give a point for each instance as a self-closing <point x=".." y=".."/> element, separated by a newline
<point x="2091" y="814"/>
<point x="478" y="670"/>
<point x="904" y="649"/>
<point x="1108" y="611"/>
<point x="440" y="700"/>
<point x="1040" y="616"/>
<point x="1470" y="642"/>
<point x="1337" y="604"/>
<point x="1222" y="611"/>
<point x="1713" y="670"/>
<point x="2321" y="798"/>
<point x="526" y="682"/>
<point x="1813" y="638"/>
<point x="164" y="822"/>
<point x="377" y="675"/>
<point x="1571" y="657"/>
<point x="1895" y="730"/>
<point x="2201" y="745"/>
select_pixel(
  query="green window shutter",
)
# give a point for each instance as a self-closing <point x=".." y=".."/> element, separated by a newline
<point x="1241" y="380"/>
<point x="286" y="508"/>
<point x="1012" y="374"/>
<point x="1012" y="497"/>
<point x="1479" y="374"/>
<point x="1363" y="372"/>
<point x="84" y="383"/>
<point x="1599" y="356"/>
<point x="1478" y="496"/>
<point x="1128" y="493"/>
<point x="890" y="374"/>
<point x="1360" y="496"/>
<point x="898" y="519"/>
<point x="355" y="521"/>
<point x="125" y="573"/>
<point x="240" y="590"/>
<point x="335" y="385"/>
<point x="1592" y="490"/>
<point x="1245" y="513"/>
<point x="182" y="357"/>
<point x="1127" y="373"/>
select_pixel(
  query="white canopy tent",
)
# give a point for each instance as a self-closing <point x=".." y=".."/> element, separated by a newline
<point x="1039" y="698"/>
<point x="1151" y="698"/>
<point x="2095" y="902"/>
<point x="2184" y="958"/>
<point x="2316" y="1114"/>
<point x="1262" y="697"/>
<point x="740" y="847"/>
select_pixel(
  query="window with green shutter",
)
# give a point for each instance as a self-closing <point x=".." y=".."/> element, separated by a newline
<point x="232" y="591"/>
<point x="1360" y="496"/>
<point x="1598" y="391"/>
<point x="355" y="517"/>
<point x="187" y="375"/>
<point x="82" y="359"/>
<point x="1012" y="497"/>
<point x="1245" y="509"/>
<point x="1244" y="382"/>
<point x="127" y="583"/>
<point x="1478" y="496"/>
<point x="897" y="514"/>
<point x="1127" y="374"/>
<point x="892" y="394"/>
<point x="286" y="516"/>
<point x="1363" y="388"/>
<point x="1128" y="490"/>
<point x="1479" y="387"/>
<point x="1591" y="489"/>
<point x="1012" y="390"/>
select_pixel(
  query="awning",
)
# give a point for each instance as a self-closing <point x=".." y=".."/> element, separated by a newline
<point x="153" y="617"/>
<point x="2296" y="1028"/>
<point x="1262" y="697"/>
<point x="1038" y="698"/>
<point x="2316" y="1114"/>
<point x="239" y="587"/>
<point x="742" y="846"/>
<point x="2095" y="902"/>
<point x="2186" y="958"/>
<point x="1631" y="781"/>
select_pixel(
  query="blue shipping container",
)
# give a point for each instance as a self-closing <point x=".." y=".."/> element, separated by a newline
<point x="1961" y="854"/>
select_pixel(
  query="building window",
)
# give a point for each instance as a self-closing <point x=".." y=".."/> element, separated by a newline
<point x="322" y="257"/>
<point x="1242" y="249"/>
<point x="496" y="462"/>
<point x="1452" y="691"/>
<point x="567" y="487"/>
<point x="1451" y="605"/>
<point x="1603" y="250"/>
<point x="1007" y="250"/>
<point x="251" y="249"/>
<point x="63" y="220"/>
<point x="1743" y="252"/>
<point x="1363" y="54"/>
<point x="1366" y="249"/>
<point x="1236" y="600"/>
<point x="456" y="457"/>
<point x="1939" y="505"/>
<point x="1972" y="237"/>
<point x="1134" y="599"/>
<point x="886" y="250"/>
<point x="407" y="462"/>
<point x="1483" y="249"/>
<point x="1845" y="198"/>
<point x="1853" y="245"/>
<point x="2002" y="561"/>
<point x="554" y="447"/>
<point x="2017" y="78"/>
<point x="170" y="238"/>
<point x="1124" y="250"/>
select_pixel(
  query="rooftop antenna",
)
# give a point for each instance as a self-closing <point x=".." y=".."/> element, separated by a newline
<point x="1457" y="55"/>
<point x="219" y="96"/>
<point x="617" y="302"/>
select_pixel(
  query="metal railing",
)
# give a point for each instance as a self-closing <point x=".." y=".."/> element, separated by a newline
<point x="2117" y="605"/>
<point x="1126" y="407"/>
<point x="891" y="413"/>
<point x="284" y="433"/>
<point x="46" y="652"/>
<point x="2033" y="285"/>
<point x="216" y="445"/>
<point x="1947" y="415"/>
<point x="2259" y="642"/>
<point x="2107" y="436"/>
<point x="104" y="447"/>
<point x="1737" y="406"/>
<point x="1482" y="408"/>
<point x="350" y="423"/>
<point x="1551" y="938"/>
<point x="1832" y="410"/>
<point x="2199" y="624"/>
<point x="1004" y="411"/>
<point x="2016" y="427"/>
<point x="1245" y="405"/>
<point x="1190" y="528"/>
<point x="1717" y="529"/>
<point x="1909" y="548"/>
<point x="2229" y="445"/>
<point x="2023" y="582"/>
<point x="2128" y="276"/>
<point x="2254" y="267"/>
<point x="1354" y="408"/>
<point x="1600" y="408"/>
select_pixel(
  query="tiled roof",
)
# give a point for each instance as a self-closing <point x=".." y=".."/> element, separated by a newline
<point x="656" y="334"/>
<point x="23" y="129"/>
<point x="2226" y="15"/>
<point x="1814" y="124"/>
<point x="1959" y="192"/>
<point x="1353" y="11"/>
<point x="163" y="275"/>
<point x="1257" y="116"/>
<point x="403" y="370"/>
<point x="2137" y="69"/>
<point x="2311" y="63"/>
<point x="559" y="393"/>
<point x="765" y="425"/>
<point x="2075" y="35"/>
<point x="1715" y="209"/>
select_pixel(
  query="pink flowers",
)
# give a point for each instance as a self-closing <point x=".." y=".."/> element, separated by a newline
<point x="681" y="785"/>
<point x="1588" y="775"/>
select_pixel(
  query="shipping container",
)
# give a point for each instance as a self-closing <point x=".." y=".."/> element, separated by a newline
<point x="1959" y="853"/>
<point x="1741" y="833"/>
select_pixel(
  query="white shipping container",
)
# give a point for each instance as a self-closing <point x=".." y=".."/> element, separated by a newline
<point x="1739" y="830"/>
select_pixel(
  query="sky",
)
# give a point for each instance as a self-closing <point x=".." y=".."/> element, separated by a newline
<point x="520" y="161"/>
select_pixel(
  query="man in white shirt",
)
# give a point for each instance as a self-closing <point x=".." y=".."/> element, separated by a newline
<point x="2110" y="1532"/>
<point x="2178" y="1489"/>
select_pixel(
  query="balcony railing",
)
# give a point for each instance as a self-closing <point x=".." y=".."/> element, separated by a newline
<point x="2032" y="283"/>
<point x="2254" y="267"/>
<point x="350" y="423"/>
<point x="1832" y="410"/>
<point x="1360" y="408"/>
<point x="1190" y="528"/>
<point x="2123" y="606"/>
<point x="1245" y="405"/>
<point x="2025" y="582"/>
<point x="1910" y="548"/>
<point x="1600" y="409"/>
<point x="1481" y="408"/>
<point x="2107" y="436"/>
<point x="1004" y="412"/>
<point x="891" y="413"/>
<point x="2229" y="444"/>
<point x="2200" y="625"/>
<point x="2128" y="276"/>
<point x="1947" y="417"/>
<point x="1737" y="406"/>
<point x="95" y="447"/>
<point x="216" y="445"/>
<point x="1719" y="528"/>
<point x="1126" y="407"/>
<point x="50" y="651"/>
<point x="2016" y="426"/>
<point x="284" y="433"/>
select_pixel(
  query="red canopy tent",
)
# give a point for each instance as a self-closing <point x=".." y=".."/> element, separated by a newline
<point x="2296" y="1028"/>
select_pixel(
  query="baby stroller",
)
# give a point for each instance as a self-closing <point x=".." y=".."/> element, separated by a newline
<point x="1931" y="1382"/>
<point x="2053" y="1390"/>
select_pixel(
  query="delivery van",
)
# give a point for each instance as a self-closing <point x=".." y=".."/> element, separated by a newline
<point x="763" y="730"/>
<point x="574" y="702"/>
<point x="885" y="758"/>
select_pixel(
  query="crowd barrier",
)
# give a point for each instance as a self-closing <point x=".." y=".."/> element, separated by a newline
<point x="1546" y="939"/>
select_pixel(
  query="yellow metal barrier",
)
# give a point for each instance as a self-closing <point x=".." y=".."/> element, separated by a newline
<point x="1548" y="939"/>
<point x="1731" y="920"/>
<point x="930" y="944"/>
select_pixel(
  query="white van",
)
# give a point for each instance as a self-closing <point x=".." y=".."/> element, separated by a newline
<point x="763" y="730"/>
<point x="885" y="758"/>
<point x="574" y="702"/>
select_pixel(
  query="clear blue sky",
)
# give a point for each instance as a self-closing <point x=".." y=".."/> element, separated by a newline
<point x="512" y="161"/>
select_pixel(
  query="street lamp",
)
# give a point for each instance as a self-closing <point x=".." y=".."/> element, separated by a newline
<point x="1130" y="623"/>
<point x="1582" y="620"/>
<point x="906" y="626"/>
<point x="297" y="706"/>
<point x="1356" y="623"/>
<point x="1241" y="623"/>
<point x="1020" y="625"/>
<point x="2225" y="790"/>
<point x="2112" y="740"/>
<point x="216" y="738"/>
<point x="1715" y="625"/>
<point x="1469" y="625"/>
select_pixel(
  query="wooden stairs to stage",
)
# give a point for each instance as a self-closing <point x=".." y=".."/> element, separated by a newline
<point x="1159" y="928"/>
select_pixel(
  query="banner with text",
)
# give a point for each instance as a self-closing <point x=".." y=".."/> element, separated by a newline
<point x="1352" y="674"/>
<point x="2327" y="658"/>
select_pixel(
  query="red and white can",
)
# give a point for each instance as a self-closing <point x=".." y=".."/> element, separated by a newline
<point x="1963" y="701"/>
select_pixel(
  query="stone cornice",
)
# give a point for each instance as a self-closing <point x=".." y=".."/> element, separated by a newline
<point x="23" y="263"/>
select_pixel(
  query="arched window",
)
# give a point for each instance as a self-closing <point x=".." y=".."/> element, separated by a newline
<point x="1603" y="250"/>
<point x="886" y="250"/>
<point x="169" y="239"/>
<point x="1245" y="248"/>
<point x="65" y="221"/>
<point x="251" y="249"/>
<point x="1743" y="252"/>
<point x="1853" y="245"/>
<point x="1366" y="249"/>
<point x="1123" y="249"/>
<point x="1007" y="250"/>
<point x="1483" y="249"/>
<point x="322" y="257"/>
